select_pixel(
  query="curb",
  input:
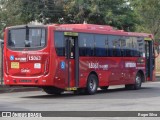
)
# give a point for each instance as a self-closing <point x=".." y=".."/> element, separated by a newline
<point x="158" y="80"/>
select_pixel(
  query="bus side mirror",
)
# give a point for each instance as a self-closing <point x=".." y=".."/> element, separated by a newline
<point x="157" y="49"/>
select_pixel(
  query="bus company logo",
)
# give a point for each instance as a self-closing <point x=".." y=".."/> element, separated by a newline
<point x="11" y="57"/>
<point x="130" y="65"/>
<point x="21" y="59"/>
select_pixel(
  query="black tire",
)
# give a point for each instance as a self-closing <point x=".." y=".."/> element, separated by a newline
<point x="137" y="85"/>
<point x="138" y="81"/>
<point x="129" y="87"/>
<point x="52" y="90"/>
<point x="92" y="84"/>
<point x="104" y="88"/>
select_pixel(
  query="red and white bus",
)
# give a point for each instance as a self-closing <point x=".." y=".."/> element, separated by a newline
<point x="77" y="57"/>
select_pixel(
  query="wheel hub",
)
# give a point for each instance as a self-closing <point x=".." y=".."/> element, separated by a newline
<point x="92" y="84"/>
<point x="138" y="80"/>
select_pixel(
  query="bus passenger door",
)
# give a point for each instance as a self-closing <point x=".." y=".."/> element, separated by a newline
<point x="72" y="62"/>
<point x="150" y="60"/>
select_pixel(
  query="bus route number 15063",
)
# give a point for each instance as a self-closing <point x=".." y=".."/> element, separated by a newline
<point x="32" y="58"/>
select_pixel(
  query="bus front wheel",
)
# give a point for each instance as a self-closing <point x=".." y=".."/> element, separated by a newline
<point x="92" y="84"/>
<point x="138" y="81"/>
<point x="52" y="90"/>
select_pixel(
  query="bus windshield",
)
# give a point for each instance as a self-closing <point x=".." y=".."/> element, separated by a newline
<point x="27" y="37"/>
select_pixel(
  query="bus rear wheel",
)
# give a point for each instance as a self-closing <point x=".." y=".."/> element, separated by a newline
<point x="92" y="84"/>
<point x="137" y="84"/>
<point x="52" y="90"/>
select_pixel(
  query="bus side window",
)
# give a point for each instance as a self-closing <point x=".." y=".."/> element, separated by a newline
<point x="86" y="44"/>
<point x="114" y="46"/>
<point x="129" y="47"/>
<point x="100" y="46"/>
<point x="141" y="48"/>
<point x="123" y="46"/>
<point x="135" y="47"/>
<point x="59" y="43"/>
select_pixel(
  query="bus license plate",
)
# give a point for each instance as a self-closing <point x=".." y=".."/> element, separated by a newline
<point x="15" y="65"/>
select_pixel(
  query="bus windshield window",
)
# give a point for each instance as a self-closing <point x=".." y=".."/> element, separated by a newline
<point x="19" y="38"/>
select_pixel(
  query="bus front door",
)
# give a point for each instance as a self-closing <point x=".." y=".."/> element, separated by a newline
<point x="72" y="62"/>
<point x="150" y="60"/>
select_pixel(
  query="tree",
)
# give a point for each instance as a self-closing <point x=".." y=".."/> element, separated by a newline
<point x="9" y="14"/>
<point x="149" y="16"/>
<point x="45" y="11"/>
<point x="116" y="13"/>
<point x="15" y="12"/>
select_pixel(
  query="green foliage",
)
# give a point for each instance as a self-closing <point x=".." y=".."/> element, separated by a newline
<point x="129" y="15"/>
<point x="149" y="15"/>
<point x="15" y="12"/>
<point x="116" y="13"/>
<point x="45" y="11"/>
<point x="9" y="14"/>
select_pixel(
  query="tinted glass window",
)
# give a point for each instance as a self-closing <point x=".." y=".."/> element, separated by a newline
<point x="114" y="46"/>
<point x="86" y="44"/>
<point x="123" y="46"/>
<point x="135" y="47"/>
<point x="17" y="38"/>
<point x="70" y="46"/>
<point x="59" y="43"/>
<point x="30" y="37"/>
<point x="37" y="37"/>
<point x="140" y="42"/>
<point x="129" y="46"/>
<point x="100" y="45"/>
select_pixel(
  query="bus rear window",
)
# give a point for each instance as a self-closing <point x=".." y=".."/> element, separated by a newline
<point x="27" y="37"/>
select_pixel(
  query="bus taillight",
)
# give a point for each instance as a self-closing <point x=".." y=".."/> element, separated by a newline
<point x="7" y="68"/>
<point x="46" y="66"/>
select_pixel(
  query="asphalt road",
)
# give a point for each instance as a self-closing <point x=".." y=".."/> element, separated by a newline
<point x="115" y="99"/>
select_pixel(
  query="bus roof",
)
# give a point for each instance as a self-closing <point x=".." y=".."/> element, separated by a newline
<point x="93" y="28"/>
<point x="89" y="28"/>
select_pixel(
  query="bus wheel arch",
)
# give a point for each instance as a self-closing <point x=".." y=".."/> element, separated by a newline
<point x="139" y="78"/>
<point x="92" y="83"/>
<point x="142" y="75"/>
<point x="93" y="72"/>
